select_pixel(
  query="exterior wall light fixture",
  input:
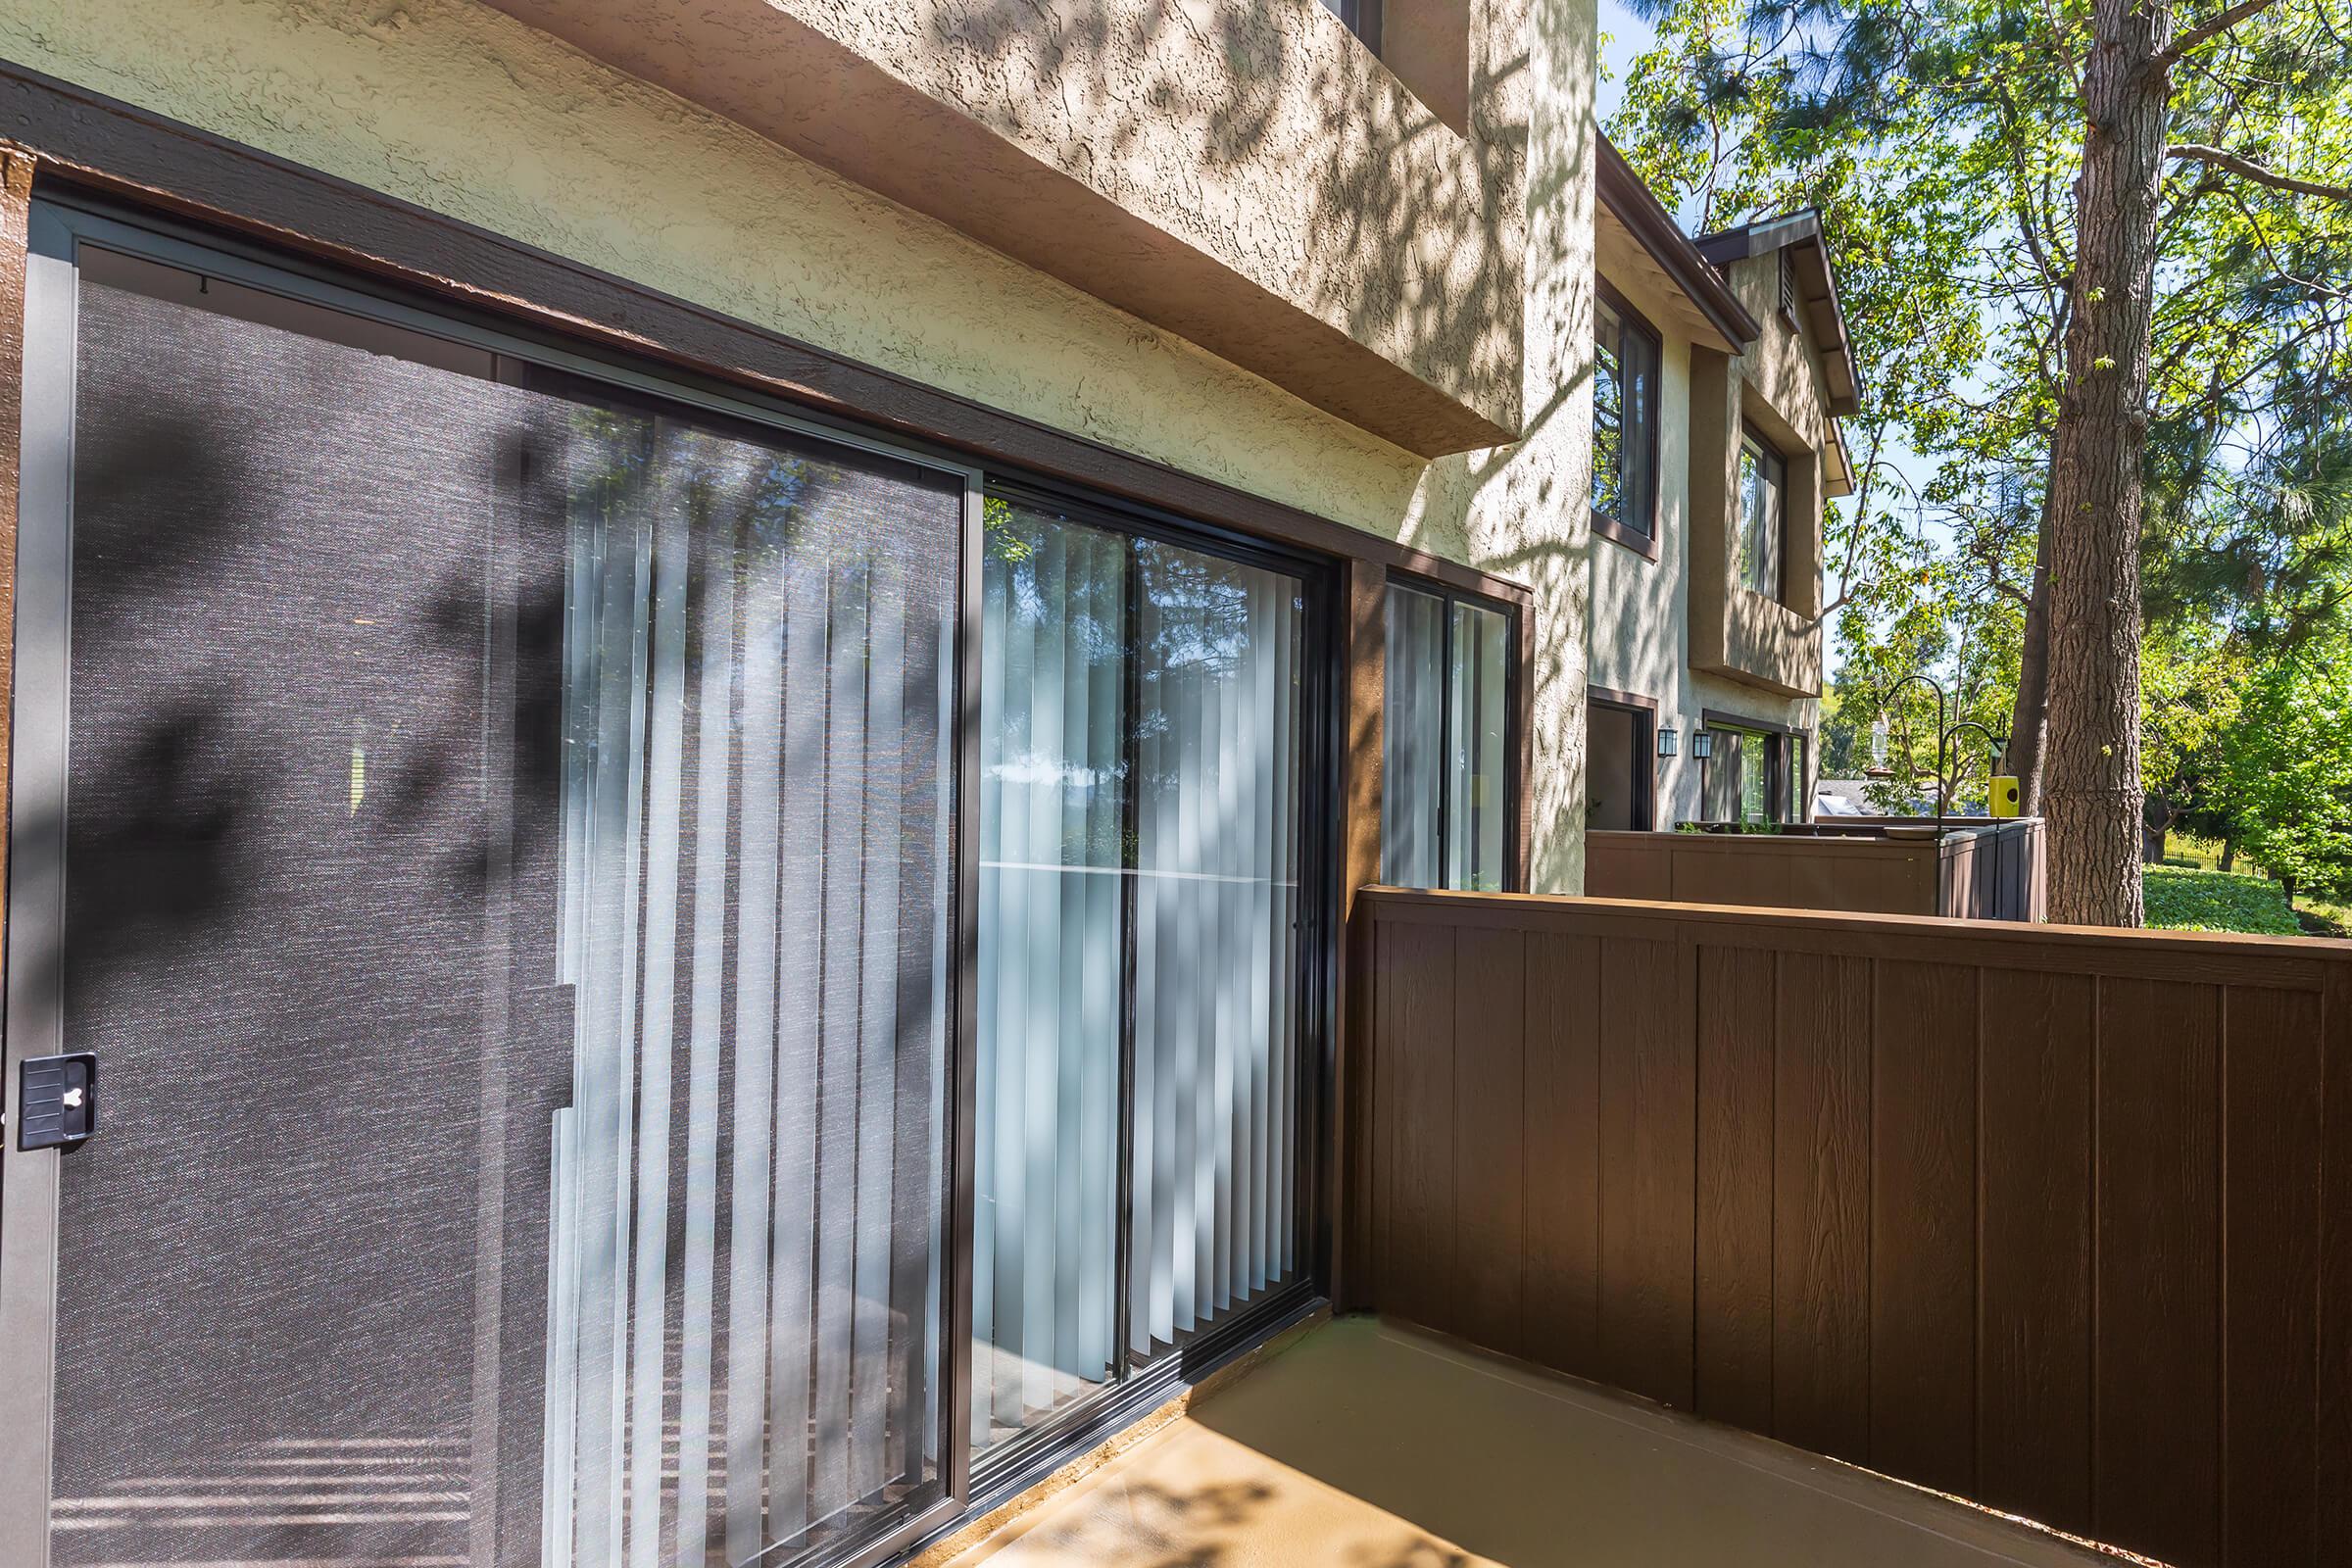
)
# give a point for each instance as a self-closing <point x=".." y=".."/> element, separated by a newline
<point x="1669" y="742"/>
<point x="1702" y="744"/>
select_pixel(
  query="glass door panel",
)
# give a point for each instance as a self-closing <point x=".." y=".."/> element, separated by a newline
<point x="1412" y="789"/>
<point x="509" y="858"/>
<point x="1137" y="954"/>
<point x="1054" y="827"/>
<point x="1477" y="681"/>
<point x="1214" y="1140"/>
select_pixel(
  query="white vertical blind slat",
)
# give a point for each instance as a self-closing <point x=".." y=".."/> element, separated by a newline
<point x="883" y="653"/>
<point x="718" y="503"/>
<point x="799" y="960"/>
<point x="759" y="833"/>
<point x="839" y="1039"/>
<point x="650" y="1284"/>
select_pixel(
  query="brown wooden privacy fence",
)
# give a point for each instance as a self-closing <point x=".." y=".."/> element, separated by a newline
<point x="1980" y="871"/>
<point x="2057" y="1219"/>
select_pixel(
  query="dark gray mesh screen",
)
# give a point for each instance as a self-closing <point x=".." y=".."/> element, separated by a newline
<point x="507" y="857"/>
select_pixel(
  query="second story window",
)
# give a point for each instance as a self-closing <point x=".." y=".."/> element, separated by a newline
<point x="1363" y="17"/>
<point x="1763" y="509"/>
<point x="1625" y="423"/>
<point x="1445" y="786"/>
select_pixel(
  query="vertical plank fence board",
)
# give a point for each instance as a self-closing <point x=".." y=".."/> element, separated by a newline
<point x="1416" y="1075"/>
<point x="1732" y="1342"/>
<point x="1821" y="1185"/>
<point x="2060" y="1222"/>
<point x="2333" y="1437"/>
<point x="1489" y="1174"/>
<point x="1649" y="1140"/>
<point x="2156" y="1466"/>
<point x="2034" y="1403"/>
<point x="1562" y="1137"/>
<point x="1923" y="1223"/>
<point x="2269" y="1275"/>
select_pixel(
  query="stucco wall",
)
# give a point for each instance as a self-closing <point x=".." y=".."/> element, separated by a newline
<point x="463" y="110"/>
<point x="1237" y="172"/>
<point x="1641" y="609"/>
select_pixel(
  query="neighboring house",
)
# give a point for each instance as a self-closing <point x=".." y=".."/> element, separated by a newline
<point x="697" y="687"/>
<point x="1721" y="369"/>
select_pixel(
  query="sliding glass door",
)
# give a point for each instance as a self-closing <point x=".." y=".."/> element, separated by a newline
<point x="493" y="832"/>
<point x="1445" y="799"/>
<point x="1139" y="1087"/>
<point x="502" y="823"/>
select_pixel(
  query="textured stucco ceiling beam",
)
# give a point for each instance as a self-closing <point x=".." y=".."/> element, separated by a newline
<point x="1250" y="180"/>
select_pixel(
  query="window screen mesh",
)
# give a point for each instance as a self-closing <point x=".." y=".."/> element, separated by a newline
<point x="507" y="890"/>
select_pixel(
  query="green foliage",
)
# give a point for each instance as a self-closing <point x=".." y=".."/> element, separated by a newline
<point x="1940" y="141"/>
<point x="2217" y="901"/>
<point x="2286" y="766"/>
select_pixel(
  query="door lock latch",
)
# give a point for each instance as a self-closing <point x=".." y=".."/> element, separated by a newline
<point x="57" y="1101"/>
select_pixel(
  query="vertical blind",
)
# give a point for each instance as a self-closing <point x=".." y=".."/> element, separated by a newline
<point x="1412" y="784"/>
<point x="1444" y="781"/>
<point x="516" y="825"/>
<point x="752" y="918"/>
<point x="1476" y="803"/>
<point x="532" y="805"/>
<point x="1216" y="944"/>
<point x="1139" y="885"/>
<point x="1054" y="788"/>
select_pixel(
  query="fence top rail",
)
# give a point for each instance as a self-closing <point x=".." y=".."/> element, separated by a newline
<point x="1854" y="846"/>
<point x="1883" y="932"/>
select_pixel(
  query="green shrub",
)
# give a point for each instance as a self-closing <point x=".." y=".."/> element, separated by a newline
<point x="2183" y="863"/>
<point x="2217" y="901"/>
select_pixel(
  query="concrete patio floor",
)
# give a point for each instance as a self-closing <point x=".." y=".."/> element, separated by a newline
<point x="1364" y="1444"/>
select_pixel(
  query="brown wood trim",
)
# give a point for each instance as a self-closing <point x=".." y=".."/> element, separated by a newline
<point x="2291" y="962"/>
<point x="1613" y="698"/>
<point x="1717" y="718"/>
<point x="1645" y="760"/>
<point x="1644" y="545"/>
<point x="1635" y="205"/>
<point x="1364" y="634"/>
<point x="1641" y="542"/>
<point x="115" y="150"/>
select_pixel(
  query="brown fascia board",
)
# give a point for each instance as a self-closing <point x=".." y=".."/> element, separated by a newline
<point x="1802" y="230"/>
<point x="1630" y="199"/>
<point x="751" y="61"/>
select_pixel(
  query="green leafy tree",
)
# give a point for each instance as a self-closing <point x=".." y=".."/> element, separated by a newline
<point x="2168" y="382"/>
<point x="2286" y="771"/>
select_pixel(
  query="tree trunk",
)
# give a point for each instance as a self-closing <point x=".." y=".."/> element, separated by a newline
<point x="2029" y="712"/>
<point x="2090" y="782"/>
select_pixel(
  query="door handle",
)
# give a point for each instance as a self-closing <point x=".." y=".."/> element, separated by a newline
<point x="57" y="1101"/>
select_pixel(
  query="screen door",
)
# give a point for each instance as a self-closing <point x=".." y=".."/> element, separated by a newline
<point x="492" y="832"/>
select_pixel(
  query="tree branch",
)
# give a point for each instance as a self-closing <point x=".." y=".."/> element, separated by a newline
<point x="2215" y="158"/>
<point x="2222" y="22"/>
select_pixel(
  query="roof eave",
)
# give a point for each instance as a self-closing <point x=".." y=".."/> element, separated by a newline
<point x="1654" y="229"/>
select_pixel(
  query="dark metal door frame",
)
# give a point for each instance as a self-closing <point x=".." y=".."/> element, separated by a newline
<point x="29" y="1229"/>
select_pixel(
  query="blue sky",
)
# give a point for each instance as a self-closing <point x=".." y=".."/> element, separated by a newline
<point x="1623" y="38"/>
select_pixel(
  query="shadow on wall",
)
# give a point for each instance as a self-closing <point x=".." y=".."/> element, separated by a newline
<point x="1374" y="245"/>
<point x="1376" y="203"/>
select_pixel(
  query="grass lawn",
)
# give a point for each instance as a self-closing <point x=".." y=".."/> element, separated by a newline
<point x="2180" y="900"/>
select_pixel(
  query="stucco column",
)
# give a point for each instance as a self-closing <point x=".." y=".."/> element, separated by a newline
<point x="1529" y="513"/>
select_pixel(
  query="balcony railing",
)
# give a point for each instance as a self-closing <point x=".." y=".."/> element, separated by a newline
<point x="2055" y="1220"/>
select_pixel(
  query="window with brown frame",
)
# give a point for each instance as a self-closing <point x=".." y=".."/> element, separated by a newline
<point x="1363" y="17"/>
<point x="1763" y="513"/>
<point x="1625" y="423"/>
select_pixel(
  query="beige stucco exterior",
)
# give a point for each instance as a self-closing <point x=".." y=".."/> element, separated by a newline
<point x="467" y="110"/>
<point x="1248" y="177"/>
<point x="1680" y="630"/>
